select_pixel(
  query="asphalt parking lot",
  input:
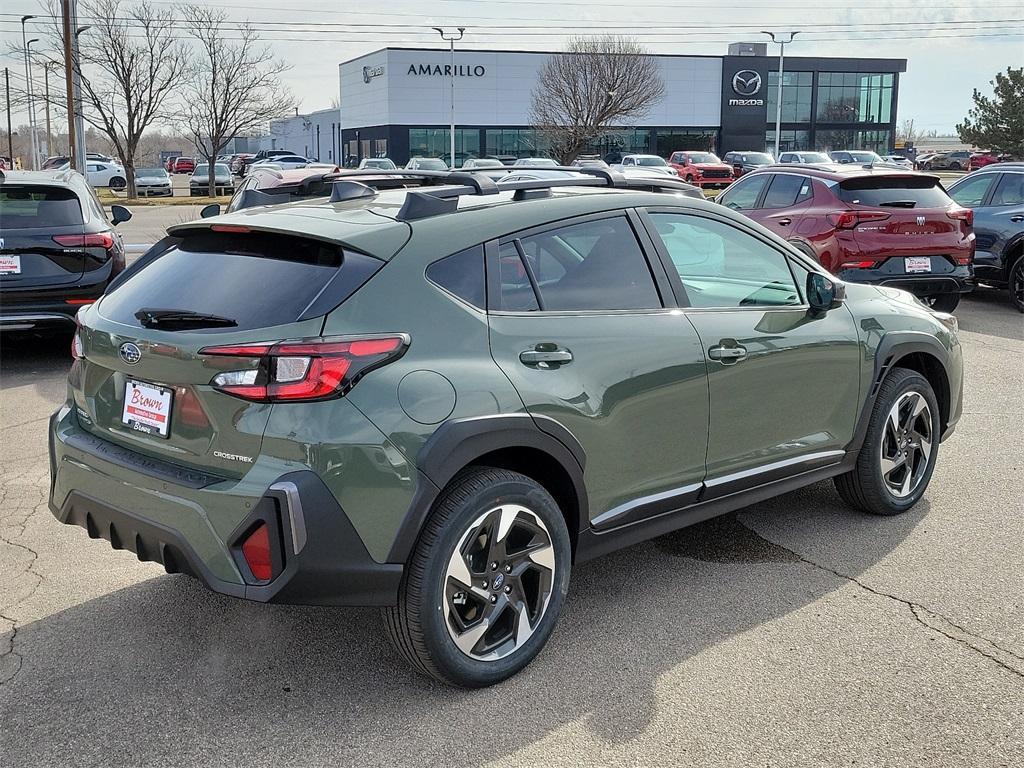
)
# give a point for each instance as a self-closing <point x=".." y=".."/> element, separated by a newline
<point x="796" y="632"/>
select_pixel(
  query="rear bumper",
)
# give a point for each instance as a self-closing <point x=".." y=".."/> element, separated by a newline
<point x="322" y="559"/>
<point x="30" y="320"/>
<point x="960" y="280"/>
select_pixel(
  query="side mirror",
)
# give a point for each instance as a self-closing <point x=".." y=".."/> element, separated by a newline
<point x="824" y="293"/>
<point x="119" y="214"/>
<point x="210" y="210"/>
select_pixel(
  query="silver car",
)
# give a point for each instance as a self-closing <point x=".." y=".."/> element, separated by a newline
<point x="153" y="182"/>
<point x="224" y="182"/>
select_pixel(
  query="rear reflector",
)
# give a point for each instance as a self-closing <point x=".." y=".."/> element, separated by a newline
<point x="315" y="369"/>
<point x="99" y="240"/>
<point x="79" y="302"/>
<point x="256" y="551"/>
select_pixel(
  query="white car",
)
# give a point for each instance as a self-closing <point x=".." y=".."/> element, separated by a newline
<point x="650" y="164"/>
<point x="534" y="162"/>
<point x="535" y="174"/>
<point x="378" y="164"/>
<point x="99" y="174"/>
<point x="284" y="162"/>
<point x="899" y="160"/>
<point x="426" y="164"/>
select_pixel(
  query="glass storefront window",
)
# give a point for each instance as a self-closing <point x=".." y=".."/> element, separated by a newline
<point x="671" y="140"/>
<point x="797" y="89"/>
<point x="855" y="97"/>
<point x="791" y="141"/>
<point x="435" y="142"/>
<point x="879" y="141"/>
<point x="517" y="142"/>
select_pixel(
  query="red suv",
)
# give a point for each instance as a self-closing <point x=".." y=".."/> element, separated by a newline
<point x="702" y="168"/>
<point x="877" y="225"/>
<point x="183" y="165"/>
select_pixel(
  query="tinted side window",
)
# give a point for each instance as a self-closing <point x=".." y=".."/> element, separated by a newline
<point x="721" y="266"/>
<point x="1009" y="190"/>
<point x="744" y="193"/>
<point x="462" y="274"/>
<point x="971" y="192"/>
<point x="594" y="265"/>
<point x="787" y="190"/>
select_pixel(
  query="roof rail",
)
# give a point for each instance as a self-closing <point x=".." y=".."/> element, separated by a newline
<point x="422" y="203"/>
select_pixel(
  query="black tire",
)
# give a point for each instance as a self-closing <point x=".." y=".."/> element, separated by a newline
<point x="943" y="302"/>
<point x="419" y="624"/>
<point x="689" y="179"/>
<point x="1015" y="284"/>
<point x="955" y="166"/>
<point x="864" y="487"/>
<point x="118" y="183"/>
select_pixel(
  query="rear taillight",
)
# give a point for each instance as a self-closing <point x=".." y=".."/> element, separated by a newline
<point x="317" y="369"/>
<point x="859" y="264"/>
<point x="964" y="215"/>
<point x="256" y="551"/>
<point x="77" y="348"/>
<point x="850" y="219"/>
<point x="98" y="240"/>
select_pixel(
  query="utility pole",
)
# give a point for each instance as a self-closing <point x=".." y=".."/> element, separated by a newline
<point x="10" y="136"/>
<point x="68" y="67"/>
<point x="451" y="39"/>
<point x="778" y="97"/>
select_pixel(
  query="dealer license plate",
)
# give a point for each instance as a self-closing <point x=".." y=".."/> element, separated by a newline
<point x="10" y="265"/>
<point x="147" y="408"/>
<point x="918" y="264"/>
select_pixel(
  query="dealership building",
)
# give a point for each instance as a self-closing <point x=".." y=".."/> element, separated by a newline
<point x="396" y="102"/>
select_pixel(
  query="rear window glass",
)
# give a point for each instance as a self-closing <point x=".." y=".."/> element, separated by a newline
<point x="25" y="207"/>
<point x="894" y="191"/>
<point x="257" y="280"/>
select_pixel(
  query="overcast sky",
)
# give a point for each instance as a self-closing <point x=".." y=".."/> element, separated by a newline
<point x="952" y="47"/>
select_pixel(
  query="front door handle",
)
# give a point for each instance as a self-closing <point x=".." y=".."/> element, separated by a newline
<point x="727" y="355"/>
<point x="1017" y="219"/>
<point x="785" y="222"/>
<point x="545" y="356"/>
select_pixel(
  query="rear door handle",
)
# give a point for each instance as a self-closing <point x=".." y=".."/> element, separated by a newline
<point x="1017" y="219"/>
<point x="727" y="355"/>
<point x="785" y="222"/>
<point x="545" y="358"/>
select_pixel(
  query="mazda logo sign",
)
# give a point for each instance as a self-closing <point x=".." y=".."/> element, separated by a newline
<point x="746" y="82"/>
<point x="130" y="353"/>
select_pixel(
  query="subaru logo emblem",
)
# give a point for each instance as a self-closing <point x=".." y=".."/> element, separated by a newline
<point x="746" y="82"/>
<point x="499" y="579"/>
<point x="130" y="353"/>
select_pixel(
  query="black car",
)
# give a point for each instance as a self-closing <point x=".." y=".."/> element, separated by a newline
<point x="745" y="162"/>
<point x="996" y="194"/>
<point x="58" y="252"/>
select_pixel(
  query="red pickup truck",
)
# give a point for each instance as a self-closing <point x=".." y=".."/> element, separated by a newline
<point x="702" y="168"/>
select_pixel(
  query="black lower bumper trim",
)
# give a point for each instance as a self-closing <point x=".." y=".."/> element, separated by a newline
<point x="332" y="567"/>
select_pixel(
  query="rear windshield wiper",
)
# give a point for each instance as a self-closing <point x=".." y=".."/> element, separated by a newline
<point x="898" y="204"/>
<point x="181" y="318"/>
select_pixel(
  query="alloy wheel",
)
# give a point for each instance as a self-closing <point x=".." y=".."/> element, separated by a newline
<point x="498" y="583"/>
<point x="906" y="444"/>
<point x="1017" y="284"/>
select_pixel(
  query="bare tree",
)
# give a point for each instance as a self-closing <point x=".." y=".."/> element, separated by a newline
<point x="131" y="62"/>
<point x="235" y="86"/>
<point x="598" y="82"/>
<point x="906" y="130"/>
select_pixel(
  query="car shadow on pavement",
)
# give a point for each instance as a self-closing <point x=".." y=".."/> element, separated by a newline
<point x="164" y="672"/>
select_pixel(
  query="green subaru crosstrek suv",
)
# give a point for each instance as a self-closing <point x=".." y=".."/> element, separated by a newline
<point x="438" y="400"/>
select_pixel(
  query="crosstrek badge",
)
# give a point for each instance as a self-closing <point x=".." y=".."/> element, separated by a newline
<point x="147" y="408"/>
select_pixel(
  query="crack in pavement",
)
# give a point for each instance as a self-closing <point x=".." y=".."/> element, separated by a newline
<point x="926" y="617"/>
<point x="30" y="570"/>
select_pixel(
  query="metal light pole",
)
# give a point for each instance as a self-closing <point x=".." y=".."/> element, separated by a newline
<point x="10" y="135"/>
<point x="77" y="85"/>
<point x="46" y="79"/>
<point x="68" y="84"/>
<point x="28" y="85"/>
<point x="451" y="38"/>
<point x="778" y="96"/>
<point x="32" y="106"/>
